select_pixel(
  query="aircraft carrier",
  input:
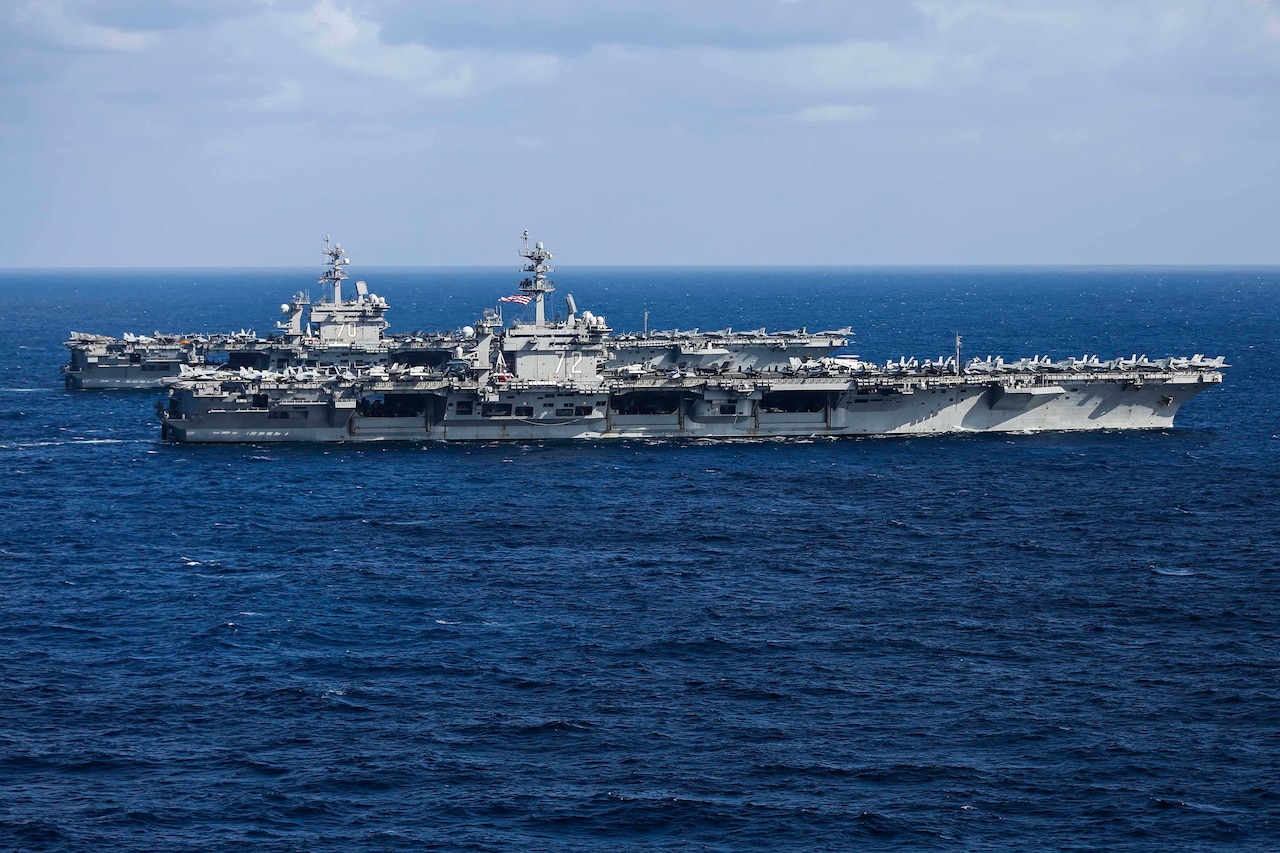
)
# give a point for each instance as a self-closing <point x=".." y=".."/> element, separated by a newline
<point x="572" y="378"/>
<point x="338" y="332"/>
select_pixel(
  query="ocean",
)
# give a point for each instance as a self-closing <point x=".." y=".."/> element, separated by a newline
<point x="1059" y="641"/>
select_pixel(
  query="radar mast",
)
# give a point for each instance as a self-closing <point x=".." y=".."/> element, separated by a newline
<point x="334" y="275"/>
<point x="539" y="285"/>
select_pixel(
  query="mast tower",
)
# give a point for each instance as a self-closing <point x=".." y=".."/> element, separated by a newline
<point x="334" y="275"/>
<point x="539" y="285"/>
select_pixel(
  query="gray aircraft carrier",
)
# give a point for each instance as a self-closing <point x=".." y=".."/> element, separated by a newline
<point x="335" y="332"/>
<point x="574" y="379"/>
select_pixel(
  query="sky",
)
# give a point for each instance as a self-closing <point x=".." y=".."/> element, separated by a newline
<point x="210" y="133"/>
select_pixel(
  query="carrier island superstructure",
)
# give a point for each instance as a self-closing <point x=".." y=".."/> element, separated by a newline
<point x="571" y="378"/>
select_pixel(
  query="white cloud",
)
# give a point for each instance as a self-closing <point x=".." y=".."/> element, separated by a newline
<point x="341" y="38"/>
<point x="337" y="36"/>
<point x="48" y="18"/>
<point x="834" y="113"/>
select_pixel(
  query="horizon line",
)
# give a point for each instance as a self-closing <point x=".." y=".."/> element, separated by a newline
<point x="778" y="266"/>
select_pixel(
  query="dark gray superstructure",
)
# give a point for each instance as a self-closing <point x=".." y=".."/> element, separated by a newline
<point x="574" y="379"/>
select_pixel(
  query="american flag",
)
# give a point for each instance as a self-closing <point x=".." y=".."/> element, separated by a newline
<point x="519" y="297"/>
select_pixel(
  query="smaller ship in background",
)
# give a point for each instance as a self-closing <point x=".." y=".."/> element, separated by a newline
<point x="334" y="332"/>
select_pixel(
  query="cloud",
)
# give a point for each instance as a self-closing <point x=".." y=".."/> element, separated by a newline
<point x="447" y="104"/>
<point x="834" y="114"/>
<point x="338" y="37"/>
<point x="49" y="19"/>
<point x="343" y="39"/>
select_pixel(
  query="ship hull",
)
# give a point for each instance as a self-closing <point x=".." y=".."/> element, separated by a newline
<point x="84" y="373"/>
<point x="118" y="379"/>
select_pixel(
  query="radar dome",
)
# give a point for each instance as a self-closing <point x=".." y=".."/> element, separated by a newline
<point x="284" y="307"/>
<point x="468" y="332"/>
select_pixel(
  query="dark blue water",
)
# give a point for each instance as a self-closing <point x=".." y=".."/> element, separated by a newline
<point x="1058" y="641"/>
